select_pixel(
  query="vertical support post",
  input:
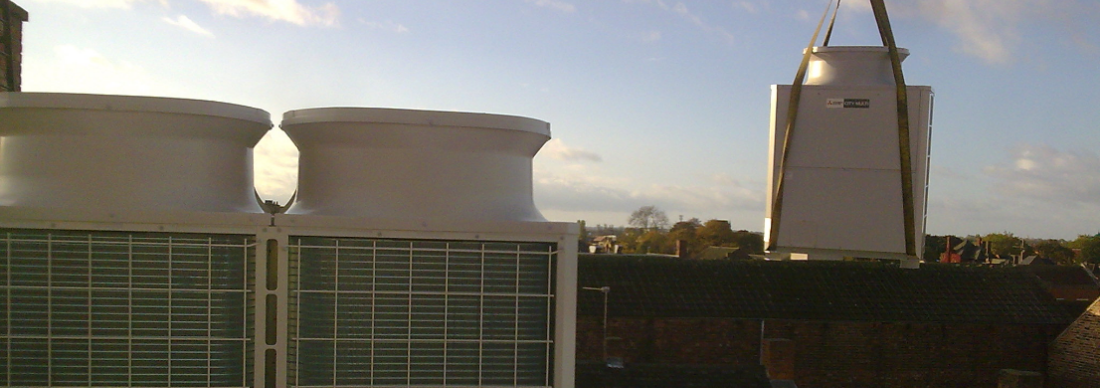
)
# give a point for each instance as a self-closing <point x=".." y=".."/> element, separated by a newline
<point x="605" y="290"/>
<point x="271" y="301"/>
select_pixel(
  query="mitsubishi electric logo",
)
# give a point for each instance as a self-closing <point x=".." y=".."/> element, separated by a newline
<point x="832" y="103"/>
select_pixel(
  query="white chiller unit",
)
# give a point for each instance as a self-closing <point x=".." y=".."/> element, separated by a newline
<point x="133" y="252"/>
<point x="842" y="194"/>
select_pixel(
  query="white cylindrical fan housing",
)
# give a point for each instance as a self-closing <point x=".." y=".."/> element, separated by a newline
<point x="411" y="164"/>
<point x="127" y="153"/>
<point x="852" y="66"/>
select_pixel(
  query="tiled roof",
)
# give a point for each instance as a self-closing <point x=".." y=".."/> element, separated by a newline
<point x="646" y="286"/>
<point x="1057" y="275"/>
<point x="1075" y="354"/>
<point x="596" y="375"/>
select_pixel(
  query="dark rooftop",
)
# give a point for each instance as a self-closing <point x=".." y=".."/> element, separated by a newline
<point x="592" y="375"/>
<point x="1058" y="275"/>
<point x="647" y="286"/>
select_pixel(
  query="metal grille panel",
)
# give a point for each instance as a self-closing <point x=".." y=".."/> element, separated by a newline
<point x="413" y="313"/>
<point x="97" y="309"/>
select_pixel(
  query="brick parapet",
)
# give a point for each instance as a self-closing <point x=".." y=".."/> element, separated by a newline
<point x="834" y="354"/>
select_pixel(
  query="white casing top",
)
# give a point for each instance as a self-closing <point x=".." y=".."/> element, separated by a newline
<point x="125" y="152"/>
<point x="852" y="66"/>
<point x="415" y="165"/>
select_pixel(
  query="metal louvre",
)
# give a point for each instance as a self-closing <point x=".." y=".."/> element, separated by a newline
<point x="413" y="313"/>
<point x="97" y="309"/>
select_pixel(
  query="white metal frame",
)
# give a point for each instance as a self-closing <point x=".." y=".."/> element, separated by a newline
<point x="280" y="227"/>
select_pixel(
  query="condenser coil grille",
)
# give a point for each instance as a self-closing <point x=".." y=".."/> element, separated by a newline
<point x="373" y="312"/>
<point x="98" y="309"/>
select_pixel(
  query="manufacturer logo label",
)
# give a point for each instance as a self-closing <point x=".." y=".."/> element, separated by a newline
<point x="836" y="103"/>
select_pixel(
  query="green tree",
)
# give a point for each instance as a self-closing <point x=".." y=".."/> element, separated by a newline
<point x="753" y="242"/>
<point x="715" y="233"/>
<point x="1004" y="244"/>
<point x="628" y="240"/>
<point x="1056" y="250"/>
<point x="933" y="247"/>
<point x="684" y="231"/>
<point x="582" y="238"/>
<point x="652" y="242"/>
<point x="648" y="218"/>
<point x="1090" y="248"/>
<point x="609" y="230"/>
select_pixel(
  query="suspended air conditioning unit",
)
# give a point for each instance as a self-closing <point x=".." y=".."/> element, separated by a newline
<point x="843" y="191"/>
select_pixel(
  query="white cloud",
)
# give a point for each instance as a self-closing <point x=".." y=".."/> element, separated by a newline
<point x="289" y="11"/>
<point x="75" y="69"/>
<point x="858" y="6"/>
<point x="996" y="212"/>
<point x="385" y="26"/>
<point x="97" y="3"/>
<point x="652" y="36"/>
<point x="1051" y="175"/>
<point x="556" y="149"/>
<point x="748" y="6"/>
<point x="681" y="10"/>
<point x="276" y="161"/>
<point x="1038" y="192"/>
<point x="986" y="28"/>
<point x="569" y="192"/>
<point x="187" y="24"/>
<point x="554" y="4"/>
<point x="990" y="29"/>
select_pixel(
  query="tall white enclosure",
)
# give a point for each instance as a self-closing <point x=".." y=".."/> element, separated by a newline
<point x="842" y="186"/>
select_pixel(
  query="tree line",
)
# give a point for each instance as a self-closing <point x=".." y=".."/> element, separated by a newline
<point x="1005" y="245"/>
<point x="650" y="231"/>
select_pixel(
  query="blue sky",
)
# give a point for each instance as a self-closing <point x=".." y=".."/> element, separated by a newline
<point x="651" y="102"/>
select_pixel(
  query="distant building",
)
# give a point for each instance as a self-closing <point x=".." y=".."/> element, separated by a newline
<point x="604" y="244"/>
<point x="11" y="45"/>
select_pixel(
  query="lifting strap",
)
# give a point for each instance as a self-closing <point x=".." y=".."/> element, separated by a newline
<point x="829" y="32"/>
<point x="887" y="35"/>
<point x="792" y="115"/>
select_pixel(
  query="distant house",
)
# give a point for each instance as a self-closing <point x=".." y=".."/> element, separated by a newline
<point x="820" y="324"/>
<point x="605" y="244"/>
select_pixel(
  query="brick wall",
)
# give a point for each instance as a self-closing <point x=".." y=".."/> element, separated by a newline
<point x="16" y="25"/>
<point x="699" y="341"/>
<point x="1075" y="354"/>
<point x="833" y="354"/>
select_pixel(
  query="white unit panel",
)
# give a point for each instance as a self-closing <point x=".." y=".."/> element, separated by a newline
<point x="862" y="211"/>
<point x="847" y="137"/>
<point x="842" y="194"/>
